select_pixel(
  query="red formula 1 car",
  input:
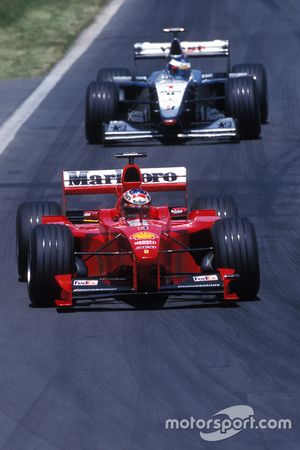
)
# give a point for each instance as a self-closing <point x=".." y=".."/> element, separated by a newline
<point x="135" y="249"/>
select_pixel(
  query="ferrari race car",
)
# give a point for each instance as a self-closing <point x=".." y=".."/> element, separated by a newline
<point x="177" y="102"/>
<point x="134" y="249"/>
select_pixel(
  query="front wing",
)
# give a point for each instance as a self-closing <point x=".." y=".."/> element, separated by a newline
<point x="118" y="130"/>
<point x="197" y="284"/>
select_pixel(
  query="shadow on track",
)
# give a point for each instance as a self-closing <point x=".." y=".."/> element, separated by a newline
<point x="135" y="306"/>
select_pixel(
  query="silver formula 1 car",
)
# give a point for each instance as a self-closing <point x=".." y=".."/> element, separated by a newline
<point x="177" y="102"/>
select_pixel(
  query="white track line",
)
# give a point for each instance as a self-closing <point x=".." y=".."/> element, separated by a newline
<point x="11" y="126"/>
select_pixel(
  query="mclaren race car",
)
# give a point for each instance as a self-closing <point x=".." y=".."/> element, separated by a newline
<point x="134" y="249"/>
<point x="177" y="102"/>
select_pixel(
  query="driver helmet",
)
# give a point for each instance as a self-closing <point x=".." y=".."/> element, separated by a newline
<point x="135" y="203"/>
<point x="179" y="67"/>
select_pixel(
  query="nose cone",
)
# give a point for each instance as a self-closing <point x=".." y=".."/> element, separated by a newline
<point x="145" y="245"/>
<point x="170" y="96"/>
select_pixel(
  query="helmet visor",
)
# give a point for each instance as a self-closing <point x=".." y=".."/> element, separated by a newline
<point x="134" y="211"/>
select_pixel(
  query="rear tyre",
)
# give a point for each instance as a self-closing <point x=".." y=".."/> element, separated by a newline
<point x="235" y="246"/>
<point x="51" y="253"/>
<point x="223" y="204"/>
<point x="258" y="72"/>
<point x="108" y="74"/>
<point x="29" y="215"/>
<point x="242" y="104"/>
<point x="100" y="107"/>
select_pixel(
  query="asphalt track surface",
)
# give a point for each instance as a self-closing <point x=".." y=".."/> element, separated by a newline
<point x="109" y="377"/>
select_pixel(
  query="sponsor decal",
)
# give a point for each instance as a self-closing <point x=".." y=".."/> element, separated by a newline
<point x="85" y="282"/>
<point x="146" y="251"/>
<point x="141" y="247"/>
<point x="193" y="49"/>
<point x="113" y="177"/>
<point x="197" y="286"/>
<point x="92" y="178"/>
<point x="140" y="225"/>
<point x="200" y="278"/>
<point x="158" y="177"/>
<point x="107" y="289"/>
<point x="136" y="116"/>
<point x="172" y="92"/>
<point x="137" y="223"/>
<point x="142" y="235"/>
<point x="90" y="213"/>
<point x="119" y="127"/>
<point x="177" y="210"/>
<point x="146" y="242"/>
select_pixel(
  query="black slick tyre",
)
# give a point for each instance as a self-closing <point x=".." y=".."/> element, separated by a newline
<point x="29" y="215"/>
<point x="242" y="104"/>
<point x="51" y="253"/>
<point x="101" y="106"/>
<point x="235" y="246"/>
<point x="224" y="205"/>
<point x="259" y="74"/>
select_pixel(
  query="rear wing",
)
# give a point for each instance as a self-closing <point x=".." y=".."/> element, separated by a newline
<point x="216" y="47"/>
<point x="89" y="182"/>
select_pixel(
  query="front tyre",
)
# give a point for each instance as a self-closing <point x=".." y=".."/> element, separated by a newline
<point x="51" y="253"/>
<point x="235" y="247"/>
<point x="259" y="74"/>
<point x="242" y="104"/>
<point x="101" y="107"/>
<point x="29" y="214"/>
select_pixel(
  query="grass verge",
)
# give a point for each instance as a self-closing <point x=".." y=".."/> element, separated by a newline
<point x="34" y="34"/>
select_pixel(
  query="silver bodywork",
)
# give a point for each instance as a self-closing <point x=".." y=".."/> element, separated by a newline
<point x="120" y="130"/>
<point x="171" y="94"/>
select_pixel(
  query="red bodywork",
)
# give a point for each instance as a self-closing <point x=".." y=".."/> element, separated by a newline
<point x="154" y="256"/>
